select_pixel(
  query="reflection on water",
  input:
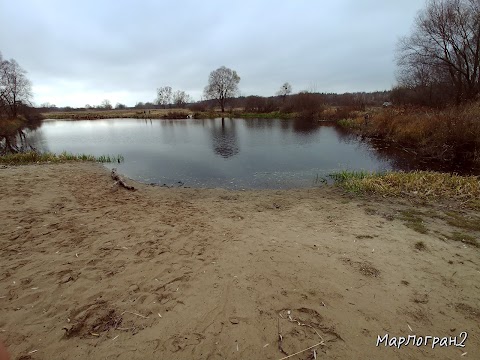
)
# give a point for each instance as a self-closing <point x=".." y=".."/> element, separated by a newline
<point x="228" y="153"/>
<point x="224" y="138"/>
<point x="13" y="136"/>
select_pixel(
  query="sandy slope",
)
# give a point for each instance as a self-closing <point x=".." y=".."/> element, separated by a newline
<point x="86" y="271"/>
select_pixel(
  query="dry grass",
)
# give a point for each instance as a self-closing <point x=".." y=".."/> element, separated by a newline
<point x="418" y="184"/>
<point x="420" y="246"/>
<point x="448" y="135"/>
<point x="125" y="113"/>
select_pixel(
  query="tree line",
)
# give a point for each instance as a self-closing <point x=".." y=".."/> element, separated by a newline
<point x="438" y="64"/>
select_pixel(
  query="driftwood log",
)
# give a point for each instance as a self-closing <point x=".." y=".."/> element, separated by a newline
<point x="119" y="180"/>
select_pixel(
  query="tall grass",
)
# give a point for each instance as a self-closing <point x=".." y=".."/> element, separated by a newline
<point x="420" y="184"/>
<point x="347" y="175"/>
<point x="450" y="135"/>
<point x="33" y="157"/>
<point x="350" y="180"/>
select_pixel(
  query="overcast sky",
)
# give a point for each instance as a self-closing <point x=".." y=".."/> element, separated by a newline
<point x="81" y="52"/>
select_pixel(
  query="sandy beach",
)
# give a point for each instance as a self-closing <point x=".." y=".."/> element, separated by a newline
<point x="92" y="271"/>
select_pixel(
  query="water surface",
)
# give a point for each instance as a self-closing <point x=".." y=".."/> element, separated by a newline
<point x="229" y="153"/>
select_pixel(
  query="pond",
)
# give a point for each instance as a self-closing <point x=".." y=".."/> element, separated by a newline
<point x="228" y="153"/>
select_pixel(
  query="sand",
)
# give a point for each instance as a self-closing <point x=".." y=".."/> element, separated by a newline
<point x="92" y="271"/>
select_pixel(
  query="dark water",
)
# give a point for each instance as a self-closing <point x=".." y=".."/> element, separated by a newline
<point x="233" y="153"/>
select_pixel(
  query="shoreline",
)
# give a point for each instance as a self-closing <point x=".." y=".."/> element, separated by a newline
<point x="167" y="114"/>
<point x="91" y="270"/>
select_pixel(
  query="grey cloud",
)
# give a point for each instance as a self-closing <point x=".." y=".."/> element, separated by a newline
<point x="136" y="46"/>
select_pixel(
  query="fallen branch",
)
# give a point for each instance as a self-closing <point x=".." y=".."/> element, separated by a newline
<point x="133" y="313"/>
<point x="119" y="180"/>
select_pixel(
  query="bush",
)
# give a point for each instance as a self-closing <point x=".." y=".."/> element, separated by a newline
<point x="198" y="107"/>
<point x="306" y="105"/>
<point x="452" y="134"/>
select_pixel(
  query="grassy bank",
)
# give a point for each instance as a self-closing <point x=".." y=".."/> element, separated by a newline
<point x="447" y="135"/>
<point x="113" y="114"/>
<point x="417" y="184"/>
<point x="270" y="115"/>
<point x="161" y="114"/>
<point x="33" y="157"/>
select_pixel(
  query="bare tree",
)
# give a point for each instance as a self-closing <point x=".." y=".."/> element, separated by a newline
<point x="444" y="45"/>
<point x="164" y="96"/>
<point x="222" y="85"/>
<point x="181" y="98"/>
<point x="47" y="105"/>
<point x="15" y="88"/>
<point x="106" y="105"/>
<point x="285" y="89"/>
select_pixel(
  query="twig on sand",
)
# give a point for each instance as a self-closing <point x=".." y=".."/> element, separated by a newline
<point x="322" y="342"/>
<point x="32" y="352"/>
<point x="280" y="338"/>
<point x="133" y="313"/>
<point x="125" y="329"/>
<point x="310" y="326"/>
<point x="302" y="351"/>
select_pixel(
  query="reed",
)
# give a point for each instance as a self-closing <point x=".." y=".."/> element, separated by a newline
<point x="450" y="135"/>
<point x="33" y="157"/>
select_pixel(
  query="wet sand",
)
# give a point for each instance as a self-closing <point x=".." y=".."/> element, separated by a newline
<point x="92" y="271"/>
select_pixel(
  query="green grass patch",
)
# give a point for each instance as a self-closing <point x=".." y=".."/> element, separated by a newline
<point x="33" y="157"/>
<point x="465" y="238"/>
<point x="413" y="221"/>
<point x="411" y="214"/>
<point x="348" y="123"/>
<point x="460" y="221"/>
<point x="346" y="175"/>
<point x="350" y="180"/>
